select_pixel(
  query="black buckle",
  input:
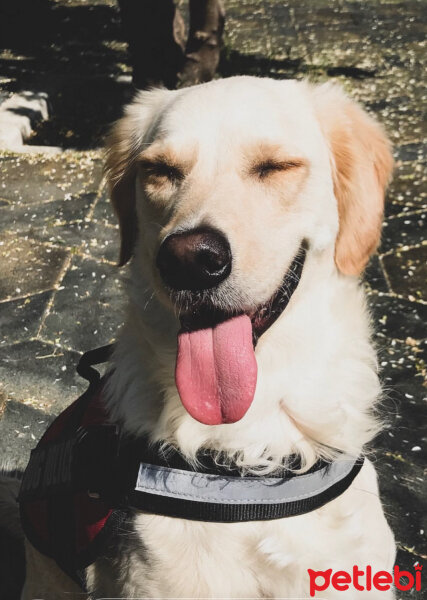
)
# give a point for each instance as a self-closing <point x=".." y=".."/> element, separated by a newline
<point x="95" y="460"/>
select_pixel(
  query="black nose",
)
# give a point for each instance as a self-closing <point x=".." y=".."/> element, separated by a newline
<point x="196" y="259"/>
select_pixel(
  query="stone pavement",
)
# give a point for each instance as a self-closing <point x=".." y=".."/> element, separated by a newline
<point x="60" y="293"/>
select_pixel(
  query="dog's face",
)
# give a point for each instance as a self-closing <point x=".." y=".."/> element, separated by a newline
<point x="221" y="188"/>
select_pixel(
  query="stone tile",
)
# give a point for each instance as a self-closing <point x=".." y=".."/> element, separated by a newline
<point x="401" y="488"/>
<point x="407" y="192"/>
<point x="28" y="267"/>
<point x="96" y="239"/>
<point x="104" y="212"/>
<point x="402" y="127"/>
<point x="21" y="427"/>
<point x="407" y="271"/>
<point x="404" y="406"/>
<point x="102" y="242"/>
<point x="395" y="208"/>
<point x="40" y="375"/>
<point x="403" y="363"/>
<point x="374" y="277"/>
<point x="87" y="310"/>
<point x="397" y="318"/>
<point x="405" y="230"/>
<point x="38" y="178"/>
<point x="21" y="319"/>
<point x="26" y="218"/>
<point x="410" y="152"/>
<point x="81" y="236"/>
<point x="411" y="171"/>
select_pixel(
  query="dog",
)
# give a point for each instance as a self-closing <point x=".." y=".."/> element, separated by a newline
<point x="249" y="208"/>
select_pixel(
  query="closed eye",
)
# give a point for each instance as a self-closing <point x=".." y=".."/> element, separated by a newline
<point x="163" y="170"/>
<point x="265" y="168"/>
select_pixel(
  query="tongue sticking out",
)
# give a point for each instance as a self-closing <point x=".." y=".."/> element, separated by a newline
<point x="216" y="371"/>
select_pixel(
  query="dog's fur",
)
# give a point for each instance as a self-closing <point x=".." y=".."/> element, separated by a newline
<point x="317" y="379"/>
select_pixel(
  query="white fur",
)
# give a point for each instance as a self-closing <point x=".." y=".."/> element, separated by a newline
<point x="317" y="379"/>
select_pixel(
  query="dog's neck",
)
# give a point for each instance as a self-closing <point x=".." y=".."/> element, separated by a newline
<point x="317" y="382"/>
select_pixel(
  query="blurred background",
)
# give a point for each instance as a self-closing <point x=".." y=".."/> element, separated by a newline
<point x="65" y="72"/>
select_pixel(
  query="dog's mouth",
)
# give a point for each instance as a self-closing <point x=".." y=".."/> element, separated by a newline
<point x="265" y="315"/>
<point x="216" y="369"/>
<point x="203" y="316"/>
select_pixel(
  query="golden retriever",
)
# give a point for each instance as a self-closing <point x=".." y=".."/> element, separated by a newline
<point x="217" y="188"/>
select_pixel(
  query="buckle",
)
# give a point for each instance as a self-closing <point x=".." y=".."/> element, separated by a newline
<point x="95" y="460"/>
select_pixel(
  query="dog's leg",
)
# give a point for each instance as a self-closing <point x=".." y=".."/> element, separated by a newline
<point x="202" y="52"/>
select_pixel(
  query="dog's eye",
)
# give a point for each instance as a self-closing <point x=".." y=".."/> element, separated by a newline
<point x="268" y="167"/>
<point x="164" y="170"/>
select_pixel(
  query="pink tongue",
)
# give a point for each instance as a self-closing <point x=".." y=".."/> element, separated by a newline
<point x="216" y="371"/>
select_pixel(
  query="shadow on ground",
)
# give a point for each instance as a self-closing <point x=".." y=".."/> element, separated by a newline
<point x="75" y="53"/>
<point x="236" y="63"/>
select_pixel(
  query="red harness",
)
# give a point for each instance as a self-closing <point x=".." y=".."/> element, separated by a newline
<point x="69" y="525"/>
<point x="59" y="514"/>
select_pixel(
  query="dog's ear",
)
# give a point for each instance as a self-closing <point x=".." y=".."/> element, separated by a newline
<point x="123" y="145"/>
<point x="120" y="172"/>
<point x="361" y="164"/>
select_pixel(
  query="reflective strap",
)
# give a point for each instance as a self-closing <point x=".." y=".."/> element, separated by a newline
<point x="219" y="489"/>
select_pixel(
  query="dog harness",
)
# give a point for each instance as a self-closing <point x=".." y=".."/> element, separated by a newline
<point x="85" y="478"/>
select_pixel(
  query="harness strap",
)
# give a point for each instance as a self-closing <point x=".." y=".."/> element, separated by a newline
<point x="93" y="357"/>
<point x="164" y="482"/>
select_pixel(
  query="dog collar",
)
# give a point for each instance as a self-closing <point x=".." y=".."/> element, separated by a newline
<point x="224" y="498"/>
<point x="85" y="477"/>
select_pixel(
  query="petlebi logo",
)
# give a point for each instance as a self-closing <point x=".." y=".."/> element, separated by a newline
<point x="366" y="579"/>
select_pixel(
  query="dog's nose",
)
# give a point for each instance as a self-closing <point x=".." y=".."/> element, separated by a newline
<point x="197" y="259"/>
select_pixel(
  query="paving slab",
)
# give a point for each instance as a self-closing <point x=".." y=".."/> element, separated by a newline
<point x="40" y="375"/>
<point x="20" y="428"/>
<point x="21" y="319"/>
<point x="398" y="318"/>
<point x="88" y="309"/>
<point x="103" y="212"/>
<point x="37" y="178"/>
<point x="374" y="277"/>
<point x="407" y="271"/>
<point x="403" y="230"/>
<point x="28" y="267"/>
<point x="30" y="218"/>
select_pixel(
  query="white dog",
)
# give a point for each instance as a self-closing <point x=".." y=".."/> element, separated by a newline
<point x="221" y="191"/>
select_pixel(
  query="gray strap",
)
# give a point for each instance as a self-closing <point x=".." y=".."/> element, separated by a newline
<point x="219" y="489"/>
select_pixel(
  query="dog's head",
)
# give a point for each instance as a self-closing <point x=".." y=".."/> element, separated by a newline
<point x="220" y="189"/>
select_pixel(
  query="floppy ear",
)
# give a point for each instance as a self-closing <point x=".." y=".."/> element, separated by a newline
<point x="361" y="164"/>
<point x="123" y="145"/>
<point x="120" y="172"/>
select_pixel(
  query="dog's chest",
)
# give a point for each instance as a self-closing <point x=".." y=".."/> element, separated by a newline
<point x="166" y="557"/>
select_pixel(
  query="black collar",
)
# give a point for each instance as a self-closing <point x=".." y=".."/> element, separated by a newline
<point x="171" y="486"/>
